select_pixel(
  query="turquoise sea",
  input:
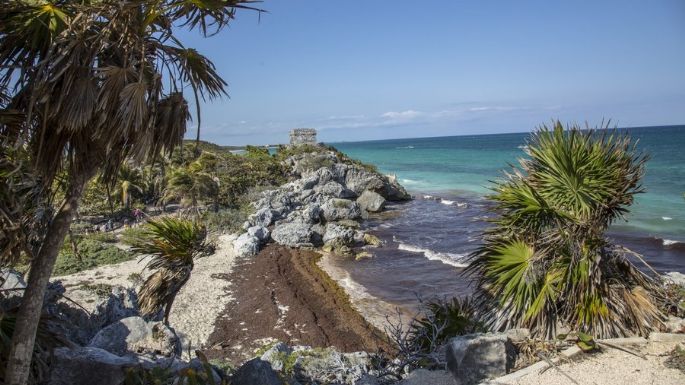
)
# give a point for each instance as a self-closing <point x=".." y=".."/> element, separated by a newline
<point x="449" y="176"/>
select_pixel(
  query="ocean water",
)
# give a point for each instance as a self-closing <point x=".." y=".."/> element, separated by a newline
<point x="428" y="238"/>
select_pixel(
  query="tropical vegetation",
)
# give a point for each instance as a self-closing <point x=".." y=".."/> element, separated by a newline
<point x="172" y="244"/>
<point x="546" y="260"/>
<point x="84" y="87"/>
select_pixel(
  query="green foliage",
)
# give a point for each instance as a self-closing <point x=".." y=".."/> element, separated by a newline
<point x="546" y="259"/>
<point x="443" y="320"/>
<point x="173" y="244"/>
<point x="93" y="253"/>
<point x="226" y="220"/>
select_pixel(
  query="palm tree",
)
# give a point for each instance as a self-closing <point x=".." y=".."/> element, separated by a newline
<point x="128" y="182"/>
<point x="173" y="244"/>
<point x="95" y="83"/>
<point x="546" y="260"/>
<point x="191" y="183"/>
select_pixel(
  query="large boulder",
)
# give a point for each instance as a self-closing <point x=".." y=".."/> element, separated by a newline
<point x="135" y="335"/>
<point x="335" y="190"/>
<point x="476" y="357"/>
<point x="336" y="232"/>
<point x="256" y="372"/>
<point x="294" y="234"/>
<point x="371" y="201"/>
<point x="359" y="179"/>
<point x="340" y="209"/>
<point x="88" y="365"/>
<point x="263" y="217"/>
<point x="259" y="232"/>
<point x="246" y="245"/>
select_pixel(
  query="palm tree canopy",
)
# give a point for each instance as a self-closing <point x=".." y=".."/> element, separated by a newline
<point x="102" y="81"/>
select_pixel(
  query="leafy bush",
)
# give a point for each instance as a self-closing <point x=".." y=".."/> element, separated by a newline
<point x="546" y="260"/>
<point x="93" y="253"/>
<point x="443" y="320"/>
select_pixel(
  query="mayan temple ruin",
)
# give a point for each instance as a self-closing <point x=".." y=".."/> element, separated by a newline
<point x="299" y="136"/>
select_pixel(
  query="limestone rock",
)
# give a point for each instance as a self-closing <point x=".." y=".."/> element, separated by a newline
<point x="340" y="209"/>
<point x="371" y="201"/>
<point x="362" y="255"/>
<point x="256" y="372"/>
<point x="334" y="231"/>
<point x="246" y="245"/>
<point x="675" y="324"/>
<point x="259" y="232"/>
<point x="476" y="357"/>
<point x="88" y="365"/>
<point x="372" y="240"/>
<point x="276" y="355"/>
<point x="336" y="190"/>
<point x="425" y="377"/>
<point x="294" y="234"/>
<point x="263" y="217"/>
<point x="134" y="335"/>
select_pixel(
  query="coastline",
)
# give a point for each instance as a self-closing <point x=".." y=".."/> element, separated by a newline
<point x="282" y="294"/>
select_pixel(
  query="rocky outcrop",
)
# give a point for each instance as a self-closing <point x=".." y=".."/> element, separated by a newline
<point x="327" y="191"/>
<point x="475" y="357"/>
<point x="135" y="335"/>
<point x="305" y="365"/>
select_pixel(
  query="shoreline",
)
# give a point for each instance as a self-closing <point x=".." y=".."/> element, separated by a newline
<point x="281" y="294"/>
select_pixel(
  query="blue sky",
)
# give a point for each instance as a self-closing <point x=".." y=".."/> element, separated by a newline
<point x="362" y="70"/>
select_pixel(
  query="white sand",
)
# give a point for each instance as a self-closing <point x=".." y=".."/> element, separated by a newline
<point x="197" y="305"/>
<point x="612" y="367"/>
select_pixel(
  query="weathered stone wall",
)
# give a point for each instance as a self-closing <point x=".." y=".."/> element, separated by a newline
<point x="300" y="136"/>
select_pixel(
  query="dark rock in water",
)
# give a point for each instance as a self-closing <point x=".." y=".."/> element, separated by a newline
<point x="371" y="201"/>
<point x="256" y="372"/>
<point x="135" y="335"/>
<point x="476" y="357"/>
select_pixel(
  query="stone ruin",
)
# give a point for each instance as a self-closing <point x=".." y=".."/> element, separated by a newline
<point x="300" y="136"/>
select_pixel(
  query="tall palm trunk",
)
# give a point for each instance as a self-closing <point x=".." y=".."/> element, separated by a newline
<point x="23" y="338"/>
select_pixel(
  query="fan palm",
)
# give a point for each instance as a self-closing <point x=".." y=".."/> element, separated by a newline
<point x="191" y="183"/>
<point x="96" y="83"/>
<point x="172" y="244"/>
<point x="546" y="260"/>
<point x="127" y="184"/>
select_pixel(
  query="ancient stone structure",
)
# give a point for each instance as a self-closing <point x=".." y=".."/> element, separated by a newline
<point x="300" y="136"/>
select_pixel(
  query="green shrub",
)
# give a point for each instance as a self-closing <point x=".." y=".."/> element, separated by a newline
<point x="442" y="320"/>
<point x="92" y="254"/>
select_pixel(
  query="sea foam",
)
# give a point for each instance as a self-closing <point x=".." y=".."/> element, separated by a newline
<point x="667" y="218"/>
<point x="446" y="258"/>
<point x="669" y="242"/>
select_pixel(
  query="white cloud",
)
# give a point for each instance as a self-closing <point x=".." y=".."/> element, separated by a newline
<point x="402" y="115"/>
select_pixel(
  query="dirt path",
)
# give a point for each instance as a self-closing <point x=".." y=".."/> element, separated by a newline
<point x="281" y="294"/>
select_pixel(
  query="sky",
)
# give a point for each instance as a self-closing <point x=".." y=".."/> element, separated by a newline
<point x="365" y="70"/>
